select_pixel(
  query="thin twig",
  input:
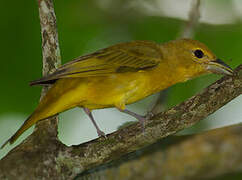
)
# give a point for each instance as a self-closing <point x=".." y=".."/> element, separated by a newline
<point x="50" y="53"/>
<point x="194" y="15"/>
<point x="187" y="32"/>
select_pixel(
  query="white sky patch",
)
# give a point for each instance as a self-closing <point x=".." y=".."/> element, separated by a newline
<point x="237" y="5"/>
<point x="75" y="127"/>
<point x="229" y="114"/>
<point x="9" y="124"/>
<point x="212" y="12"/>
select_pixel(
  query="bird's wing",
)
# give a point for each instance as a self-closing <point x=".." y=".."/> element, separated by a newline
<point x="120" y="58"/>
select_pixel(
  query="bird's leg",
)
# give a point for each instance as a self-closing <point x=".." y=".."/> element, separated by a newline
<point x="141" y="118"/>
<point x="89" y="113"/>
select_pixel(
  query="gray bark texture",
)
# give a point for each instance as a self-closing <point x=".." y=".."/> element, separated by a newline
<point x="42" y="156"/>
<point x="211" y="154"/>
<point x="51" y="61"/>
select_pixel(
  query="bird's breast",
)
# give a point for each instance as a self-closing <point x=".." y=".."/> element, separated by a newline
<point x="123" y="88"/>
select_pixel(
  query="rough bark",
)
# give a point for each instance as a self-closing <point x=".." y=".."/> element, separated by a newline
<point x="29" y="161"/>
<point x="50" y="51"/>
<point x="49" y="158"/>
<point x="207" y="155"/>
<point x="51" y="61"/>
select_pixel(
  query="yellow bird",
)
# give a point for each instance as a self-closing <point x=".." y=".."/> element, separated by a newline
<point x="122" y="74"/>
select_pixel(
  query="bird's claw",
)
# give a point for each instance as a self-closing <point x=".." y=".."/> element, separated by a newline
<point x="101" y="134"/>
<point x="144" y="118"/>
<point x="149" y="115"/>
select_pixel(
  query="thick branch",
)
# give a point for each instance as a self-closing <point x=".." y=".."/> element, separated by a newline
<point x="207" y="155"/>
<point x="55" y="159"/>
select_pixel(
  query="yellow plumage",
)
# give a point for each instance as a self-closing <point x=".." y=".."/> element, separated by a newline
<point x="120" y="75"/>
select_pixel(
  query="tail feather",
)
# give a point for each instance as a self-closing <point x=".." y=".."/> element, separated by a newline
<point x="42" y="81"/>
<point x="27" y="124"/>
<point x="58" y="99"/>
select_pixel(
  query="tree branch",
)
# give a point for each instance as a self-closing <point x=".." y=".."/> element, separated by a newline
<point x="55" y="159"/>
<point x="207" y="155"/>
<point x="194" y="15"/>
<point x="44" y="139"/>
<point x="51" y="55"/>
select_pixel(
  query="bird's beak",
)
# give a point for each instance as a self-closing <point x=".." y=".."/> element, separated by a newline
<point x="219" y="67"/>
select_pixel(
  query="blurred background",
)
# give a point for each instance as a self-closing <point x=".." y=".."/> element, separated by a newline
<point x="88" y="25"/>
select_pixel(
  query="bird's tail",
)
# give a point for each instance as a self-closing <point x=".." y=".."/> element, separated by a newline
<point x="59" y="98"/>
<point x="41" y="112"/>
<point x="27" y="124"/>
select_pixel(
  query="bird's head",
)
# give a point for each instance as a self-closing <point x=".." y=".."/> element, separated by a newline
<point x="195" y="57"/>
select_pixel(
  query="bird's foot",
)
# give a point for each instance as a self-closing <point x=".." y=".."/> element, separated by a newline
<point x="101" y="133"/>
<point x="149" y="115"/>
<point x="144" y="118"/>
<point x="140" y="118"/>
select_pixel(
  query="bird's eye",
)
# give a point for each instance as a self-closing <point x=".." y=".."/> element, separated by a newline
<point x="198" y="53"/>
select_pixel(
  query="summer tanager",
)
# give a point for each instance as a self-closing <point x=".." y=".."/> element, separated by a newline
<point x="121" y="74"/>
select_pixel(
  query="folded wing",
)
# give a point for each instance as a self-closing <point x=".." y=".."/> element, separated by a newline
<point x="120" y="58"/>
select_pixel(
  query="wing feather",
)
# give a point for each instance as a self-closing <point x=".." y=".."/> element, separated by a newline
<point x="120" y="58"/>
